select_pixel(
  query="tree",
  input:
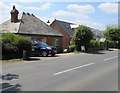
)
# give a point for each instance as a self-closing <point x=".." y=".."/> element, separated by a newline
<point x="82" y="36"/>
<point x="113" y="33"/>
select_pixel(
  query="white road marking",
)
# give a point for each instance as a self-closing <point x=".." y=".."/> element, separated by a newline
<point x="110" y="58"/>
<point x="73" y="69"/>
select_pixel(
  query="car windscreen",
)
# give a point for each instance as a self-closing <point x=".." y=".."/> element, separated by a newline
<point x="43" y="44"/>
<point x="39" y="44"/>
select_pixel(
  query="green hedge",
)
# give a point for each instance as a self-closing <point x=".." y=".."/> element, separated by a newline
<point x="72" y="48"/>
<point x="13" y="45"/>
<point x="94" y="43"/>
<point x="112" y="44"/>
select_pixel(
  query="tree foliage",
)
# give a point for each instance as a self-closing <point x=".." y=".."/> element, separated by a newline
<point x="82" y="36"/>
<point x="113" y="33"/>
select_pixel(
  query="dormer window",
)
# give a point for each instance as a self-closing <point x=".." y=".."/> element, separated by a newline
<point x="67" y="26"/>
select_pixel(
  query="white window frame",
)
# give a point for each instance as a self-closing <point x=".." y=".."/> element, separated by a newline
<point x="55" y="41"/>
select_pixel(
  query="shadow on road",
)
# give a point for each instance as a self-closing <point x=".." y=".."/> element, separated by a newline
<point x="9" y="88"/>
<point x="33" y="59"/>
<point x="9" y="76"/>
<point x="110" y="50"/>
<point x="97" y="52"/>
<point x="6" y="86"/>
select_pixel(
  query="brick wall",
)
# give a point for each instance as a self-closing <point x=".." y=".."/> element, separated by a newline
<point x="66" y="37"/>
<point x="48" y="39"/>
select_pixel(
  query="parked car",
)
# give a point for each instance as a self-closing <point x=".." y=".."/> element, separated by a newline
<point x="40" y="48"/>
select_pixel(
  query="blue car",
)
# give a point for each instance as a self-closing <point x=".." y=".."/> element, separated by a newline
<point x="40" y="48"/>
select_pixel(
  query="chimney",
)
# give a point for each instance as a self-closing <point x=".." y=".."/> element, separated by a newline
<point x="48" y="21"/>
<point x="14" y="14"/>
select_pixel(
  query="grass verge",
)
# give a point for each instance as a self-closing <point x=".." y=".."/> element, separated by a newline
<point x="11" y="60"/>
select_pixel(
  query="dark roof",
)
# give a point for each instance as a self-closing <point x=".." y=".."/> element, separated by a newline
<point x="29" y="24"/>
<point x="97" y="34"/>
<point x="66" y="27"/>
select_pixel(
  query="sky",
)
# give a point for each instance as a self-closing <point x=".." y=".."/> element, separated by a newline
<point x="95" y="14"/>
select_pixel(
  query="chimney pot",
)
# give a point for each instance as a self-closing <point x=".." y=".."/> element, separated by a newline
<point x="14" y="14"/>
<point x="48" y="21"/>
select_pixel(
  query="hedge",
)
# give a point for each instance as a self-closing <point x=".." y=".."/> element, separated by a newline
<point x="112" y="44"/>
<point x="94" y="43"/>
<point x="13" y="45"/>
<point x="72" y="48"/>
<point x="91" y="46"/>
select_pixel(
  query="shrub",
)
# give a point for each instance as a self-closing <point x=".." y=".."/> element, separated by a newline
<point x="102" y="43"/>
<point x="94" y="43"/>
<point x="72" y="48"/>
<point x="13" y="45"/>
<point x="8" y="43"/>
<point x="22" y="43"/>
<point x="112" y="44"/>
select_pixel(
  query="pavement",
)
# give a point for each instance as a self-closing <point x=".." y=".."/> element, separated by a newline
<point x="96" y="71"/>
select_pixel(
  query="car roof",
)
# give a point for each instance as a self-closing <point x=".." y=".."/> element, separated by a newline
<point x="35" y="41"/>
<point x="38" y="42"/>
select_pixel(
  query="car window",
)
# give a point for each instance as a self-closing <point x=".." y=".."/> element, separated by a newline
<point x="34" y="44"/>
<point x="40" y="44"/>
<point x="43" y="44"/>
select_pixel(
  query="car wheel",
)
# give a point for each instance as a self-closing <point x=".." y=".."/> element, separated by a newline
<point x="44" y="53"/>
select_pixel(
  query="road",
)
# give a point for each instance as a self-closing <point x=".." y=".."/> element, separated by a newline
<point x="74" y="72"/>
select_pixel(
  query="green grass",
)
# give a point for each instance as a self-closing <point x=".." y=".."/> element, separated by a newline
<point x="11" y="60"/>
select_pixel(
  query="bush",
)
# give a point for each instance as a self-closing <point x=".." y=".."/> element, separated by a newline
<point x="112" y="44"/>
<point x="102" y="43"/>
<point x="8" y="44"/>
<point x="22" y="43"/>
<point x="72" y="48"/>
<point x="95" y="43"/>
<point x="13" y="45"/>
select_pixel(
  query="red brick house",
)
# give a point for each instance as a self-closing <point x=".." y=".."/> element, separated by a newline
<point x="65" y="29"/>
<point x="32" y="27"/>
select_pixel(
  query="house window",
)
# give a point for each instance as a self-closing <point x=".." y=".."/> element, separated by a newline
<point x="33" y="38"/>
<point x="55" y="42"/>
<point x="67" y="26"/>
<point x="44" y="39"/>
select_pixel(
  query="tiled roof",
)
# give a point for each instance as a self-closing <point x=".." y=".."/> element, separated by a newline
<point x="11" y="27"/>
<point x="29" y="24"/>
<point x="66" y="26"/>
<point x="97" y="34"/>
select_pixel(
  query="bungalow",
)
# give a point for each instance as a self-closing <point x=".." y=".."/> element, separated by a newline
<point x="30" y="26"/>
